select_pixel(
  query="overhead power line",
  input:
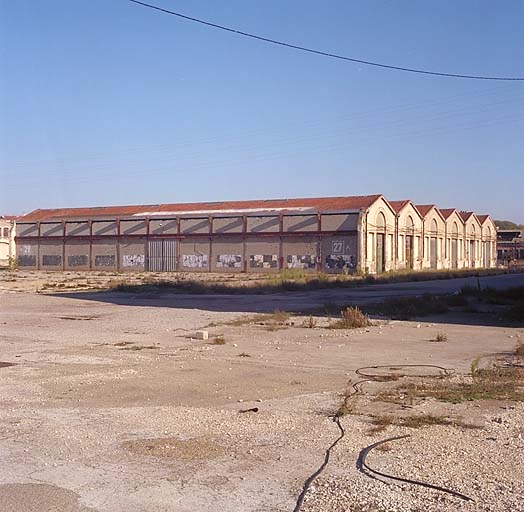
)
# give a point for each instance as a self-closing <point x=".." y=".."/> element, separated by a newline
<point x="325" y="54"/>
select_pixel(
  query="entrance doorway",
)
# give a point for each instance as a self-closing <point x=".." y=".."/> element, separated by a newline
<point x="380" y="260"/>
<point x="472" y="253"/>
<point x="433" y="253"/>
<point x="454" y="254"/>
<point x="409" y="252"/>
<point x="161" y="255"/>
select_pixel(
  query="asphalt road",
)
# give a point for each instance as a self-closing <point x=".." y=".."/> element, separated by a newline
<point x="299" y="301"/>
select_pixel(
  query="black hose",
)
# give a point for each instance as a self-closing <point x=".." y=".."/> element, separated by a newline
<point x="363" y="467"/>
<point x="444" y="372"/>
<point x="315" y="475"/>
<point x="361" y="463"/>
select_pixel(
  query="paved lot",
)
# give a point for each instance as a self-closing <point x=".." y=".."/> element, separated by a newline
<point x="111" y="406"/>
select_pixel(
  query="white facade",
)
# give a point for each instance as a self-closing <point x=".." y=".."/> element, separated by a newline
<point x="7" y="241"/>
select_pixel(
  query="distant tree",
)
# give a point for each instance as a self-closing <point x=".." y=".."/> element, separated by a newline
<point x="507" y="224"/>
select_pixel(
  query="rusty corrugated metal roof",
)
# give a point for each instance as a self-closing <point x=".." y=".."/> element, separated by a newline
<point x="313" y="203"/>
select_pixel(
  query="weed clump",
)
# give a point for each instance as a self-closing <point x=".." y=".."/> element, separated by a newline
<point x="310" y="322"/>
<point x="493" y="383"/>
<point x="218" y="340"/>
<point x="440" y="337"/>
<point x="380" y="423"/>
<point x="351" y="318"/>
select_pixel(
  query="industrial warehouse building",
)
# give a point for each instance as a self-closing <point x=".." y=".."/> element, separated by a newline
<point x="364" y="234"/>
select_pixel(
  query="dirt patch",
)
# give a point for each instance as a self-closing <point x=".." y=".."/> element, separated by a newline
<point x="173" y="448"/>
<point x="39" y="498"/>
<point x="6" y="365"/>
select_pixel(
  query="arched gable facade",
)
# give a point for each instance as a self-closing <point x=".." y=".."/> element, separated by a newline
<point x="472" y="240"/>
<point x="488" y="241"/>
<point x="454" y="246"/>
<point x="434" y="234"/>
<point x="408" y="235"/>
<point x="378" y="232"/>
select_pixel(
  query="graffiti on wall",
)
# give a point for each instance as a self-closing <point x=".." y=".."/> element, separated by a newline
<point x="339" y="262"/>
<point x="105" y="260"/>
<point x="340" y="257"/>
<point x="51" y="260"/>
<point x="195" y="260"/>
<point x="303" y="261"/>
<point x="263" y="261"/>
<point x="78" y="260"/>
<point x="133" y="260"/>
<point x="229" y="261"/>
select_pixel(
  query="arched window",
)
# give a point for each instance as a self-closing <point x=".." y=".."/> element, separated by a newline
<point x="434" y="227"/>
<point x="410" y="225"/>
<point x="454" y="230"/>
<point x="381" y="222"/>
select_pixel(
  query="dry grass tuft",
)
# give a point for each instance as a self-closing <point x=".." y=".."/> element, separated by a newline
<point x="218" y="340"/>
<point x="494" y="383"/>
<point x="440" y="337"/>
<point x="380" y="423"/>
<point x="351" y="318"/>
<point x="310" y="322"/>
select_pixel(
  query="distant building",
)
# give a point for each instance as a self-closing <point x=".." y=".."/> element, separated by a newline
<point x="365" y="234"/>
<point x="510" y="247"/>
<point x="7" y="240"/>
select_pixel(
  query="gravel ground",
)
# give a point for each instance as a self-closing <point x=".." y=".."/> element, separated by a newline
<point x="484" y="464"/>
<point x="111" y="407"/>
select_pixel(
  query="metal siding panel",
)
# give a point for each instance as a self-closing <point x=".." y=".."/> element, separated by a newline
<point x="104" y="228"/>
<point x="133" y="227"/>
<point x="300" y="223"/>
<point x="27" y="229"/>
<point x="263" y="224"/>
<point x="163" y="227"/>
<point x="228" y="225"/>
<point x="77" y="228"/>
<point x="200" y="225"/>
<point x="340" y="222"/>
<point x="53" y="229"/>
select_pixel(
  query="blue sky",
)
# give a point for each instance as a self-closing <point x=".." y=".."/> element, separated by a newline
<point x="105" y="102"/>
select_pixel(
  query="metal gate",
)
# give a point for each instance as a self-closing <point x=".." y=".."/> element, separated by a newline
<point x="161" y="255"/>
